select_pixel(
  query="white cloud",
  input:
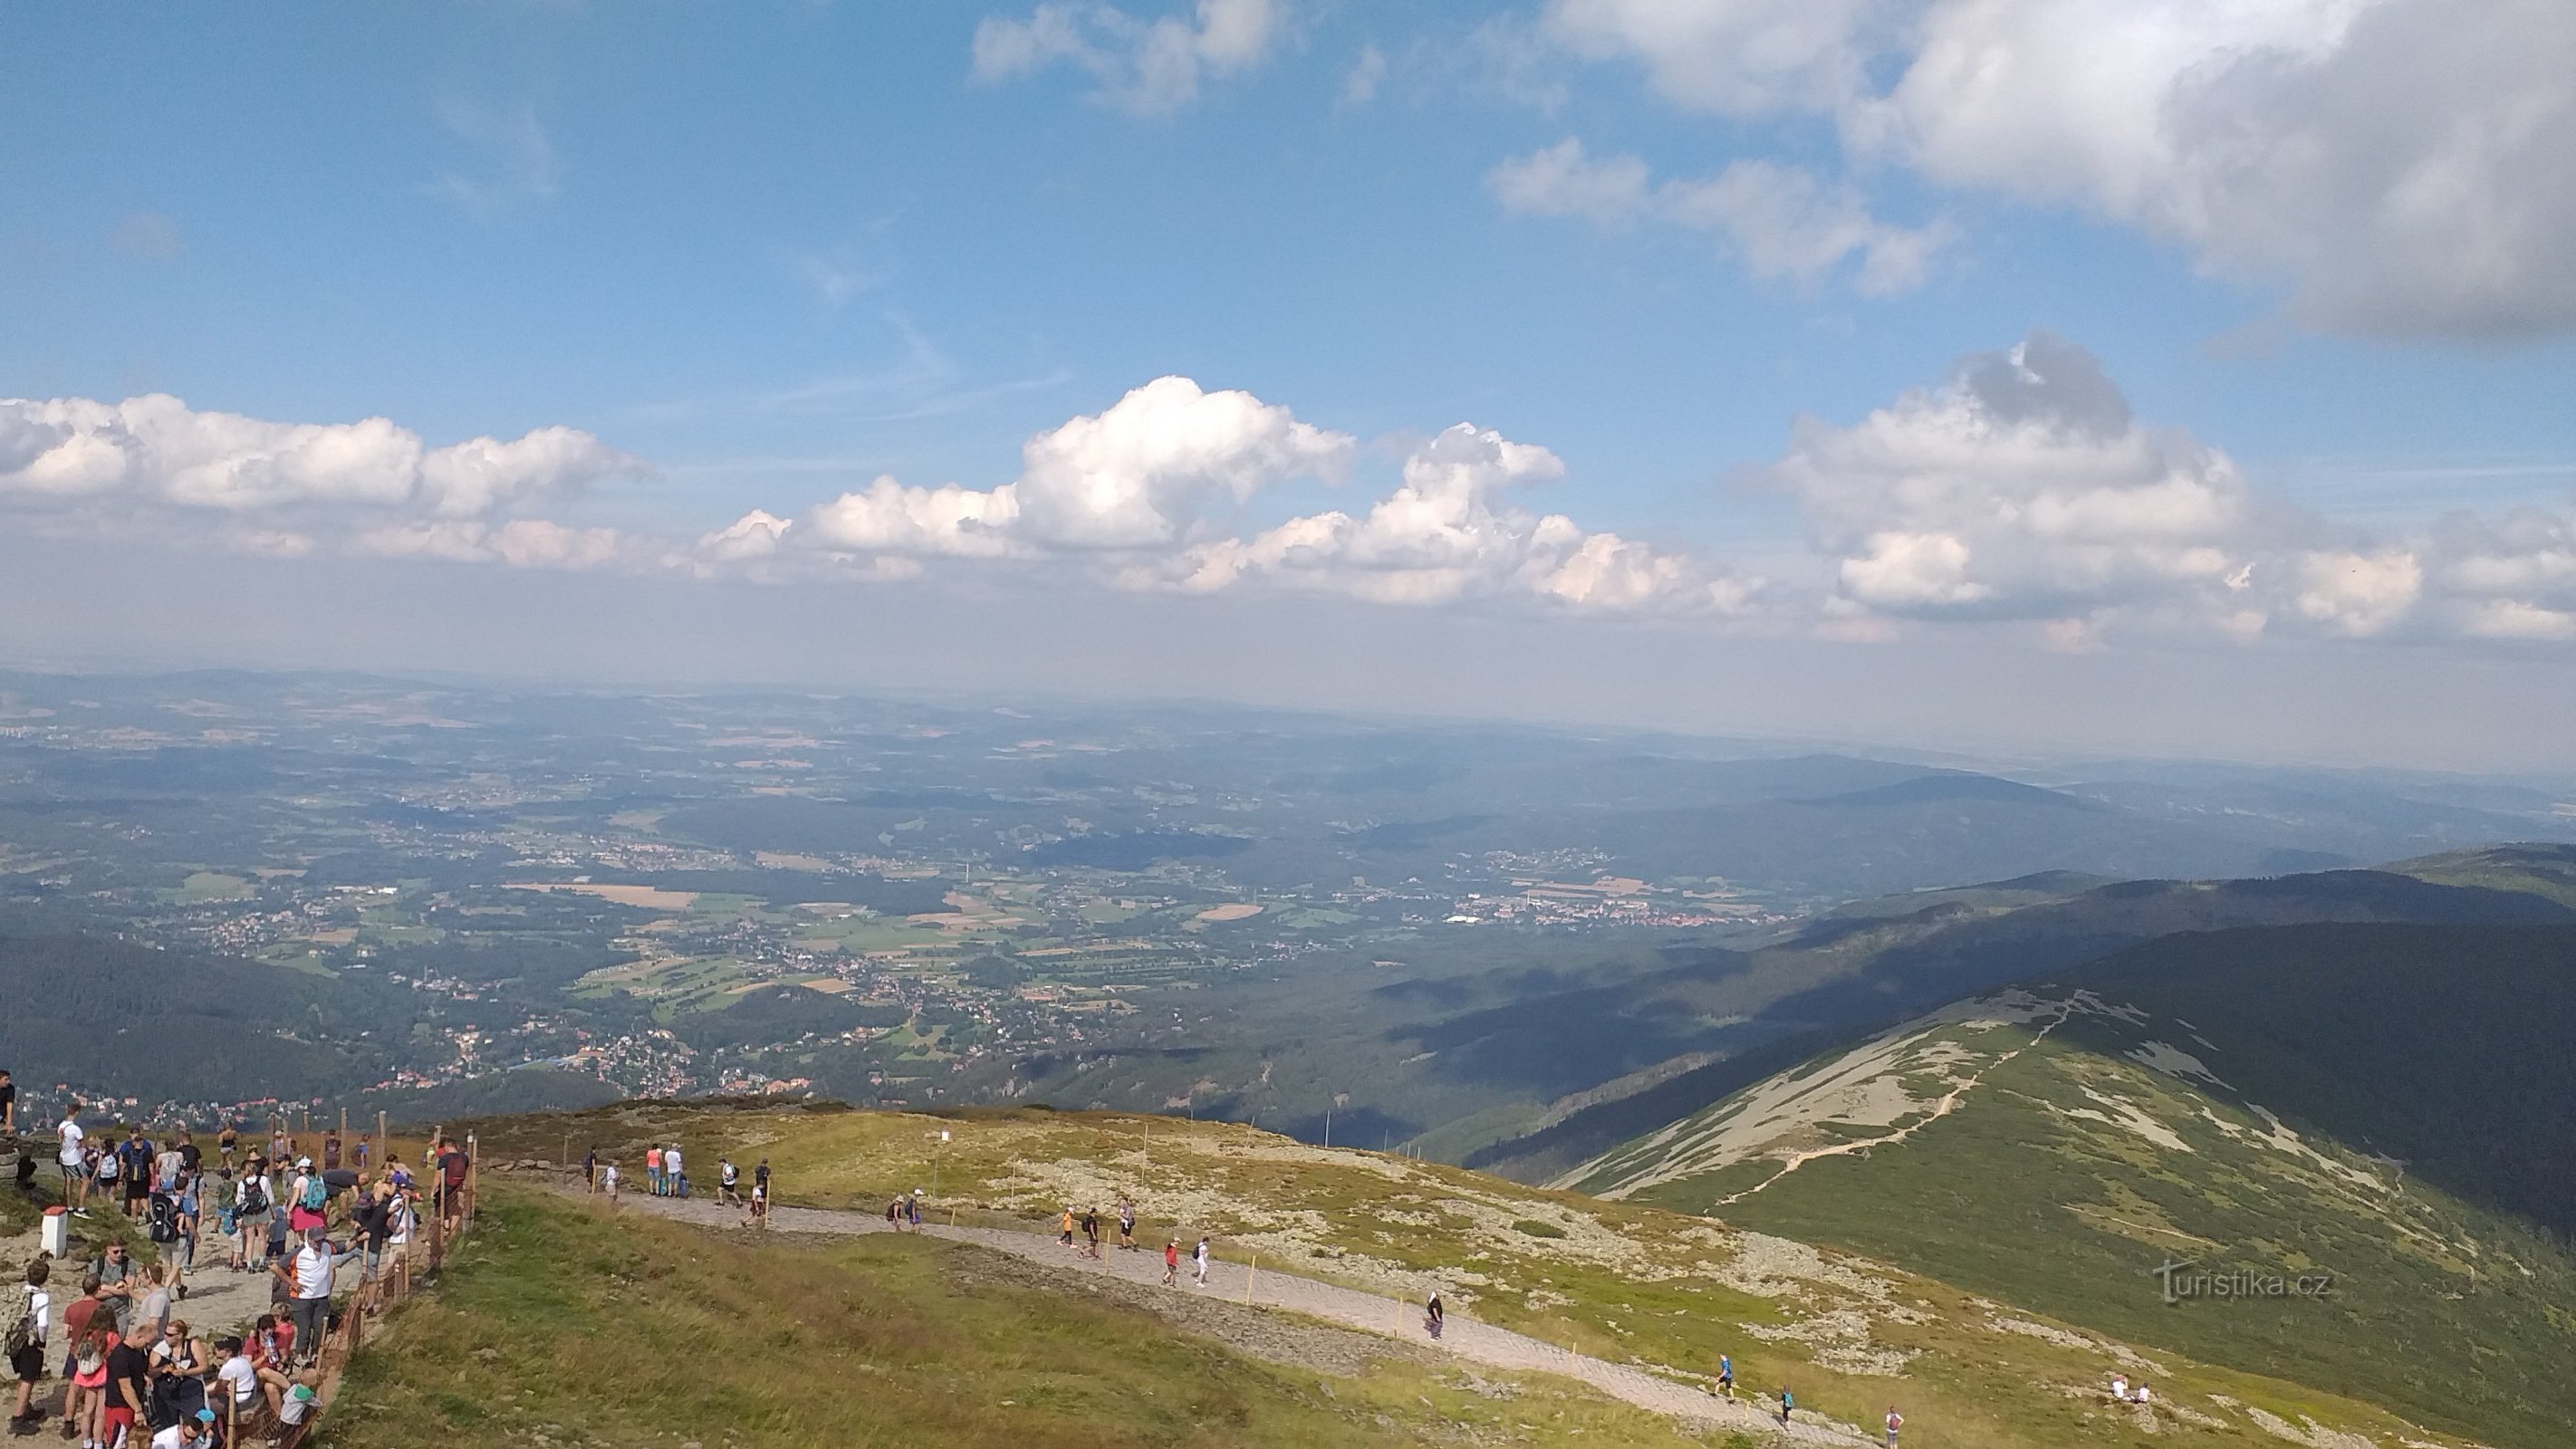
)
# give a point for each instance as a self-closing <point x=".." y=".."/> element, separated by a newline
<point x="1449" y="532"/>
<point x="1783" y="223"/>
<point x="2024" y="488"/>
<point x="1144" y="67"/>
<point x="2404" y="167"/>
<point x="2359" y="594"/>
<point x="1735" y="57"/>
<point x="156" y="449"/>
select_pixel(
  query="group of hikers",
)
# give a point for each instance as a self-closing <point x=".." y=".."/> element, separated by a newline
<point x="108" y="1319"/>
<point x="666" y="1175"/>
<point x="1788" y="1399"/>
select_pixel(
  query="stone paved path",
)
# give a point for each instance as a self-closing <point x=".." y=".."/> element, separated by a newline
<point x="1462" y="1337"/>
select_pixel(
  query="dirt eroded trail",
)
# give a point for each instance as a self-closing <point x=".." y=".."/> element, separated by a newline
<point x="1463" y="1338"/>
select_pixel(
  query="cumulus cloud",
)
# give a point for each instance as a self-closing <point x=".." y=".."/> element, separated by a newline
<point x="1781" y="222"/>
<point x="1141" y="494"/>
<point x="1144" y="67"/>
<point x="2022" y="488"/>
<point x="2404" y="167"/>
<point x="1134" y="476"/>
<point x="1450" y="532"/>
<point x="156" y="449"/>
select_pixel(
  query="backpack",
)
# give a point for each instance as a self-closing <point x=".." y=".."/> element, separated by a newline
<point x="20" y="1314"/>
<point x="165" y="1219"/>
<point x="254" y="1195"/>
<point x="317" y="1194"/>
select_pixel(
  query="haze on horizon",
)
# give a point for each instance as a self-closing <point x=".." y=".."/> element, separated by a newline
<point x="2052" y="377"/>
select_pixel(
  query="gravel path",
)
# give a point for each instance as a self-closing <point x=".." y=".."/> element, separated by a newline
<point x="1462" y="1338"/>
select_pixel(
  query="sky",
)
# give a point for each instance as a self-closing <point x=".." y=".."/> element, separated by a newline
<point x="2161" y="376"/>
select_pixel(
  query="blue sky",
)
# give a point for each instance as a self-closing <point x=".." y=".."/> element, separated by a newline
<point x="757" y="256"/>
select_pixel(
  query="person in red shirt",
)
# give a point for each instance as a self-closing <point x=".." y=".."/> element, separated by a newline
<point x="1172" y="1263"/>
<point x="451" y="1175"/>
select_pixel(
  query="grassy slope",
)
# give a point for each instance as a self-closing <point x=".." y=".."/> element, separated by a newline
<point x="560" y="1321"/>
<point x="2035" y="1193"/>
<point x="1625" y="1282"/>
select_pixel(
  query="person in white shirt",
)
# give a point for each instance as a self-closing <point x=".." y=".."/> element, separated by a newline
<point x="671" y="1171"/>
<point x="75" y="1166"/>
<point x="238" y="1374"/>
<point x="28" y="1366"/>
<point x="197" y="1428"/>
<point x="308" y="1274"/>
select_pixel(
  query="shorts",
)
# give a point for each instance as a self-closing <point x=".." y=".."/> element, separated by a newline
<point x="136" y="1189"/>
<point x="114" y="1418"/>
<point x="94" y="1379"/>
<point x="28" y="1363"/>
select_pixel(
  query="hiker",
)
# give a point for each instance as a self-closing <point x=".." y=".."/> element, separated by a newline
<point x="189" y="1203"/>
<point x="590" y="1168"/>
<point x="331" y="1151"/>
<point x="912" y="1209"/>
<point x="134" y="1159"/>
<point x="1126" y="1224"/>
<point x="1788" y="1404"/>
<point x="1726" y="1375"/>
<point x="308" y="1199"/>
<point x="675" y="1179"/>
<point x="74" y="1158"/>
<point x="227" y="1142"/>
<point x="180" y="1361"/>
<point x="23" y="1317"/>
<point x="894" y="1214"/>
<point x="87" y="1324"/>
<point x="1064" y="1231"/>
<point x="653" y="1169"/>
<point x="759" y="1217"/>
<point x="1091" y="1232"/>
<point x="1433" y="1317"/>
<point x="760" y="1179"/>
<point x="238" y="1377"/>
<point x="308" y="1276"/>
<point x="608" y="1180"/>
<point x="366" y="1149"/>
<point x="128" y="1393"/>
<point x="373" y="1218"/>
<point x="8" y="1104"/>
<point x="1172" y="1263"/>
<point x="114" y="1269"/>
<point x="1895" y="1421"/>
<point x="453" y="1170"/>
<point x="196" y="1428"/>
<point x="250" y="1215"/>
<point x="2142" y="1395"/>
<point x="2120" y="1388"/>
<point x="1203" y="1262"/>
<point x="728" y="1183"/>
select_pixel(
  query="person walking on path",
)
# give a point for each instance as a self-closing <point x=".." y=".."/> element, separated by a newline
<point x="1090" y="1233"/>
<point x="1126" y="1224"/>
<point x="1788" y="1404"/>
<point x="912" y="1209"/>
<point x="1203" y="1262"/>
<point x="23" y="1319"/>
<point x="1895" y="1421"/>
<point x="1064" y="1228"/>
<point x="73" y="1156"/>
<point x="608" y="1180"/>
<point x="1433" y="1318"/>
<point x="590" y="1169"/>
<point x="1726" y="1375"/>
<point x="728" y="1183"/>
<point x="1172" y="1263"/>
